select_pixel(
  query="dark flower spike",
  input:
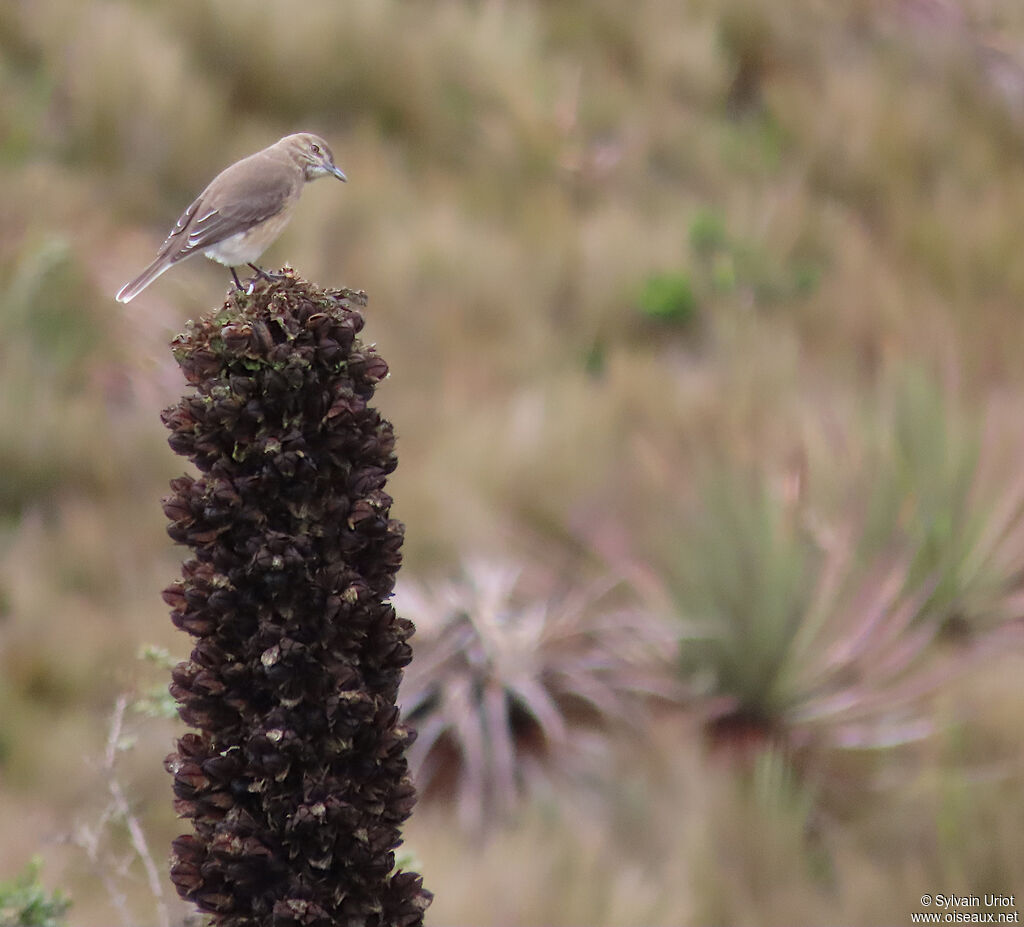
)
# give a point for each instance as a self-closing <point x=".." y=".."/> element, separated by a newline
<point x="296" y="780"/>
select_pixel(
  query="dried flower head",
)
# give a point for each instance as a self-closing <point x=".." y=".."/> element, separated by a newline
<point x="296" y="778"/>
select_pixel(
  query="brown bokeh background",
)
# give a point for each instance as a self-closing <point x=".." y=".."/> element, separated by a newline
<point x="713" y="297"/>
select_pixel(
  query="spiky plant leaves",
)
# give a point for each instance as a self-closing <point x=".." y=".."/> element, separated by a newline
<point x="296" y="778"/>
<point x="513" y="685"/>
<point x="799" y="641"/>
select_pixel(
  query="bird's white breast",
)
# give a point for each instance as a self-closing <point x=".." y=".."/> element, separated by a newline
<point x="246" y="247"/>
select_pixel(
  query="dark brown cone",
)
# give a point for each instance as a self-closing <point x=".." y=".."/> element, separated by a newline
<point x="296" y="781"/>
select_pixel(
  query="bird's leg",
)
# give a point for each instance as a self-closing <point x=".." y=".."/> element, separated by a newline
<point x="266" y="275"/>
<point x="238" y="283"/>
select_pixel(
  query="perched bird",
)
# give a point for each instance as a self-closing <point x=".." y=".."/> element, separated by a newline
<point x="244" y="208"/>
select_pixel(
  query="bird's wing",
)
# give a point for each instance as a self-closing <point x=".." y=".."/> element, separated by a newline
<point x="200" y="228"/>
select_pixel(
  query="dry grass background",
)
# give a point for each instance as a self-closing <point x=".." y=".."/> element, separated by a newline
<point x="836" y="189"/>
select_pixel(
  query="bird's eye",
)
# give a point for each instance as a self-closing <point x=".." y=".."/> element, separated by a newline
<point x="315" y="149"/>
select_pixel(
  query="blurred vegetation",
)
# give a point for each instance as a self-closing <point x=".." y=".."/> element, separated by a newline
<point x="24" y="902"/>
<point x="507" y="688"/>
<point x="718" y="299"/>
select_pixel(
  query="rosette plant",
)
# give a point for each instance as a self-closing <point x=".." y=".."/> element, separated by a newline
<point x="515" y="684"/>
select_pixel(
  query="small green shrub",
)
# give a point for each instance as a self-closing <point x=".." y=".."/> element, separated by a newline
<point x="43" y="301"/>
<point x="669" y="297"/>
<point x="25" y="902"/>
<point x="707" y="233"/>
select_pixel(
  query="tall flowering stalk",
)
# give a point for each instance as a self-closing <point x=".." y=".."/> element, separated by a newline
<point x="295" y="779"/>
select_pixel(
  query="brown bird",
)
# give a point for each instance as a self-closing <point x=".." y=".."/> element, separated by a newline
<point x="243" y="209"/>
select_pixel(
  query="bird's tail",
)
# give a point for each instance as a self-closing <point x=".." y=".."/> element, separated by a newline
<point x="132" y="289"/>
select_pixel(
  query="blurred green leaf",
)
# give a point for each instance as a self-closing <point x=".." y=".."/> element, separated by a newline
<point x="156" y="701"/>
<point x="24" y="902"/>
<point x="669" y="297"/>
<point x="707" y="233"/>
<point x="48" y="299"/>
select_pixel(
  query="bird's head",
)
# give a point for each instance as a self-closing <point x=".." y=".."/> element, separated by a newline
<point x="313" y="155"/>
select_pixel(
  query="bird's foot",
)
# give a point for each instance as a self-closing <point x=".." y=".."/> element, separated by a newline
<point x="266" y="275"/>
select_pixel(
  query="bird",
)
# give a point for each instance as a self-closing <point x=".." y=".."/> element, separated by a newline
<point x="243" y="209"/>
